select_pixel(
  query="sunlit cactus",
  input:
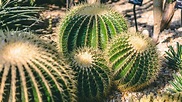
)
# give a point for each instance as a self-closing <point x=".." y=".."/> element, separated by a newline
<point x="92" y="73"/>
<point x="89" y="25"/>
<point x="32" y="71"/>
<point x="134" y="59"/>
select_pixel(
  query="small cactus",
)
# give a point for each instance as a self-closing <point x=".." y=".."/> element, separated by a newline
<point x="134" y="60"/>
<point x="89" y="25"/>
<point x="92" y="74"/>
<point x="174" y="58"/>
<point x="32" y="71"/>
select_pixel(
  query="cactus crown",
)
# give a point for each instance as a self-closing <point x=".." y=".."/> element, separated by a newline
<point x="138" y="43"/>
<point x="92" y="10"/>
<point x="83" y="59"/>
<point x="134" y="59"/>
<point x="32" y="70"/>
<point x="17" y="52"/>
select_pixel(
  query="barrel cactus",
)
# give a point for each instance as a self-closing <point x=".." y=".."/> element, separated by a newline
<point x="32" y="71"/>
<point x="89" y="25"/>
<point x="92" y="74"/>
<point x="134" y="60"/>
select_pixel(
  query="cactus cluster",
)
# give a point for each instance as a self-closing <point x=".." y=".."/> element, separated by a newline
<point x="89" y="25"/>
<point x="93" y="37"/>
<point x="92" y="73"/>
<point x="32" y="71"/>
<point x="134" y="60"/>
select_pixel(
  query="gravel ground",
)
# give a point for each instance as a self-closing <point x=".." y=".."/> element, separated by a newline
<point x="145" y="24"/>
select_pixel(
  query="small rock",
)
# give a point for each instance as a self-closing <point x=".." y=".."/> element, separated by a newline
<point x="179" y="29"/>
<point x="145" y="32"/>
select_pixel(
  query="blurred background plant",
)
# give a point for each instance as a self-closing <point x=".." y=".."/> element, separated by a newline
<point x="163" y="11"/>
<point x="17" y="14"/>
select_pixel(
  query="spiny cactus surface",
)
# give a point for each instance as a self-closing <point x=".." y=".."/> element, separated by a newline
<point x="90" y="25"/>
<point x="134" y="59"/>
<point x="92" y="74"/>
<point x="32" y="71"/>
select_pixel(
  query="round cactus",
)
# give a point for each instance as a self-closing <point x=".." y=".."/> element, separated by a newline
<point x="134" y="60"/>
<point x="32" y="71"/>
<point x="92" y="74"/>
<point x="89" y="25"/>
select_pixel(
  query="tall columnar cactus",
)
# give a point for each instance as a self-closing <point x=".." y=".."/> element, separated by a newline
<point x="89" y="25"/>
<point x="32" y="71"/>
<point x="92" y="74"/>
<point x="134" y="59"/>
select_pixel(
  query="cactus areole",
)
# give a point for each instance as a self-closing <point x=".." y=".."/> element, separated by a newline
<point x="134" y="59"/>
<point x="31" y="70"/>
<point x="92" y="74"/>
<point x="90" y="25"/>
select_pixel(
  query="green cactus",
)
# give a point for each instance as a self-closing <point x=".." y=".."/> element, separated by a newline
<point x="92" y="74"/>
<point x="32" y="71"/>
<point x="134" y="59"/>
<point x="89" y="25"/>
<point x="174" y="58"/>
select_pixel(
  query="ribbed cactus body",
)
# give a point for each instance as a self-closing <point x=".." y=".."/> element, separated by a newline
<point x="90" y="25"/>
<point x="32" y="71"/>
<point x="92" y="74"/>
<point x="134" y="60"/>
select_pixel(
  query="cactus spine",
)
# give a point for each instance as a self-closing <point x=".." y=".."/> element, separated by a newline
<point x="134" y="59"/>
<point x="92" y="74"/>
<point x="89" y="25"/>
<point x="32" y="71"/>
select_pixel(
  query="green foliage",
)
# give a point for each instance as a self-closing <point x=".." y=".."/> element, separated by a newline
<point x="134" y="59"/>
<point x="13" y="17"/>
<point x="174" y="58"/>
<point x="177" y="83"/>
<point x="31" y="70"/>
<point x="92" y="73"/>
<point x="89" y="25"/>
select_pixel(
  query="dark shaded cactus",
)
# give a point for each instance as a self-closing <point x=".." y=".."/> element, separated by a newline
<point x="174" y="58"/>
<point x="134" y="59"/>
<point x="89" y="25"/>
<point x="92" y="74"/>
<point x="32" y="71"/>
